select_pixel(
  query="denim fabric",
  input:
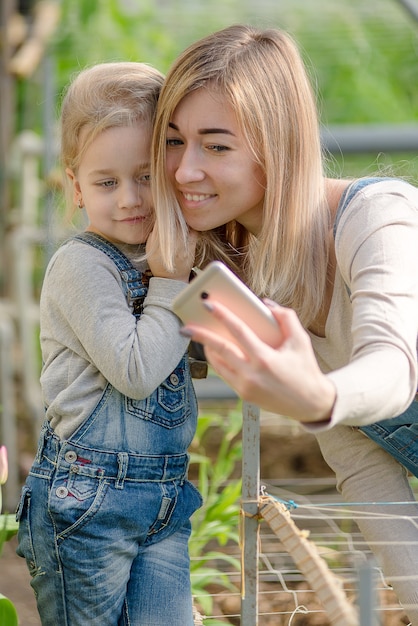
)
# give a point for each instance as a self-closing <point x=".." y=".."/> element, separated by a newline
<point x="399" y="437"/>
<point x="105" y="531"/>
<point x="105" y="515"/>
<point x="349" y="194"/>
<point x="134" y="282"/>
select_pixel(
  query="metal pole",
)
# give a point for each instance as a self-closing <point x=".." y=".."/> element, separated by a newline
<point x="367" y="597"/>
<point x="411" y="6"/>
<point x="250" y="523"/>
<point x="8" y="426"/>
<point x="360" y="138"/>
<point x="7" y="125"/>
<point x="49" y="155"/>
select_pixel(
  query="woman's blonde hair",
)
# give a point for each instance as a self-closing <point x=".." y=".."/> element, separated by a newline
<point x="102" y="97"/>
<point x="262" y="76"/>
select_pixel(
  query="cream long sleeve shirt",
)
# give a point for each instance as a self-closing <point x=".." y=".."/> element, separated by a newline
<point x="90" y="337"/>
<point x="370" y="346"/>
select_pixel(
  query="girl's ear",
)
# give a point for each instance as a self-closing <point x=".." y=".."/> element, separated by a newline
<point x="77" y="197"/>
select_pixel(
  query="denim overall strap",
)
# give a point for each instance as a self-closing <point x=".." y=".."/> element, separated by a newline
<point x="349" y="194"/>
<point x="135" y="282"/>
<point x="136" y="287"/>
<point x="397" y="435"/>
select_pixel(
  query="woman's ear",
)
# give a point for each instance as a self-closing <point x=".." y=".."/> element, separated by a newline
<point x="77" y="196"/>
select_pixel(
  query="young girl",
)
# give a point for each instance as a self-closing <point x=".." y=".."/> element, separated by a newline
<point x="238" y="158"/>
<point x="104" y="514"/>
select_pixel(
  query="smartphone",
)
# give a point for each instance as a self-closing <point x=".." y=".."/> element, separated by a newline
<point x="217" y="282"/>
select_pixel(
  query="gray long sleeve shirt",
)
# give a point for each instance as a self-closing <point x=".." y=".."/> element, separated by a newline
<point x="90" y="337"/>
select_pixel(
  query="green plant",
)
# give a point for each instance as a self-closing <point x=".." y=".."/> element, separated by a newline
<point x="8" y="525"/>
<point x="8" y="528"/>
<point x="216" y="524"/>
<point x="8" y="615"/>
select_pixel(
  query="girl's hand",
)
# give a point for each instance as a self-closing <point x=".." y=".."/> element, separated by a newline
<point x="284" y="380"/>
<point x="184" y="259"/>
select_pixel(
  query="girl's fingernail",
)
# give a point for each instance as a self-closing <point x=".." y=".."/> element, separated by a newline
<point x="270" y="303"/>
<point x="185" y="332"/>
<point x="208" y="306"/>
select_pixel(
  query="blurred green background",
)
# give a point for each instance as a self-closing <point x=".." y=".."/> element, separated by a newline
<point x="361" y="56"/>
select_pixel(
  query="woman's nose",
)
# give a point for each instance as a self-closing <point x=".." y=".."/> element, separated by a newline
<point x="189" y="168"/>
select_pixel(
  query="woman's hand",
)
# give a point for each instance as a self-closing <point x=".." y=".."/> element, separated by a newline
<point x="184" y="260"/>
<point x="284" y="380"/>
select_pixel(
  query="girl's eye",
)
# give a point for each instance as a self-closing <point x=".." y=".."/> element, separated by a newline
<point x="145" y="179"/>
<point x="172" y="142"/>
<point x="108" y="183"/>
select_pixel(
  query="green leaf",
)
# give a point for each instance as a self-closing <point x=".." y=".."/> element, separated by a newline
<point x="8" y="526"/>
<point x="8" y="614"/>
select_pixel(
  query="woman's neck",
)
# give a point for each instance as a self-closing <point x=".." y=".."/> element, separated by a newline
<point x="334" y="188"/>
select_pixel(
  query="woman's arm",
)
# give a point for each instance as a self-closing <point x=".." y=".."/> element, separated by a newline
<point x="285" y="380"/>
<point x="380" y="262"/>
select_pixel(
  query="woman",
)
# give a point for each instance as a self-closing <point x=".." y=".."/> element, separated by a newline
<point x="237" y="157"/>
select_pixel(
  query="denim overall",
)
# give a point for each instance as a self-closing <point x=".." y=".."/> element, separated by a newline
<point x="104" y="515"/>
<point x="397" y="435"/>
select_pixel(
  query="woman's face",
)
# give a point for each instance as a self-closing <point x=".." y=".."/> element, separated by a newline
<point x="210" y="166"/>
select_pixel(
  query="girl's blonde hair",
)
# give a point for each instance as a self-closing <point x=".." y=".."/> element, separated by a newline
<point x="102" y="97"/>
<point x="262" y="76"/>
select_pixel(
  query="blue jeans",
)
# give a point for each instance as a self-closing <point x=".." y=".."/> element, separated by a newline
<point x="104" y="529"/>
<point x="399" y="437"/>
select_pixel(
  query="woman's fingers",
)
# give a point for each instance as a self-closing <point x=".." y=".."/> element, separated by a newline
<point x="269" y="377"/>
<point x="212" y="341"/>
<point x="239" y="332"/>
<point x="288" y="321"/>
<point x="232" y="359"/>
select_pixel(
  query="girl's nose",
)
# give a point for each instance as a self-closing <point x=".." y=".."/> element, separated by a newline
<point x="131" y="195"/>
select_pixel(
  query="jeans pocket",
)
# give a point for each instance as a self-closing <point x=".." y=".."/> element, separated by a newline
<point x="23" y="502"/>
<point x="169" y="495"/>
<point x="74" y="500"/>
<point x="172" y="404"/>
<point x="25" y="547"/>
<point x="179" y="502"/>
<point x="83" y="481"/>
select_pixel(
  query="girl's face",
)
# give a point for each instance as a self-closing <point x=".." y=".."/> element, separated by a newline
<point x="113" y="184"/>
<point x="210" y="166"/>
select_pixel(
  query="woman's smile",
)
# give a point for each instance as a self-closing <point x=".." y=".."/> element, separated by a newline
<point x="206" y="148"/>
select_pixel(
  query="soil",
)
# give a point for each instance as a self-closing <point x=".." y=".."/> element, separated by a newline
<point x="286" y="452"/>
<point x="15" y="585"/>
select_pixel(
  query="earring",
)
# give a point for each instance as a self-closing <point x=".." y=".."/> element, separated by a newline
<point x="80" y="203"/>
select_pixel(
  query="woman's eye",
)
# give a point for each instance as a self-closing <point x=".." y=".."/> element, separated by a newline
<point x="145" y="179"/>
<point x="108" y="183"/>
<point x="217" y="148"/>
